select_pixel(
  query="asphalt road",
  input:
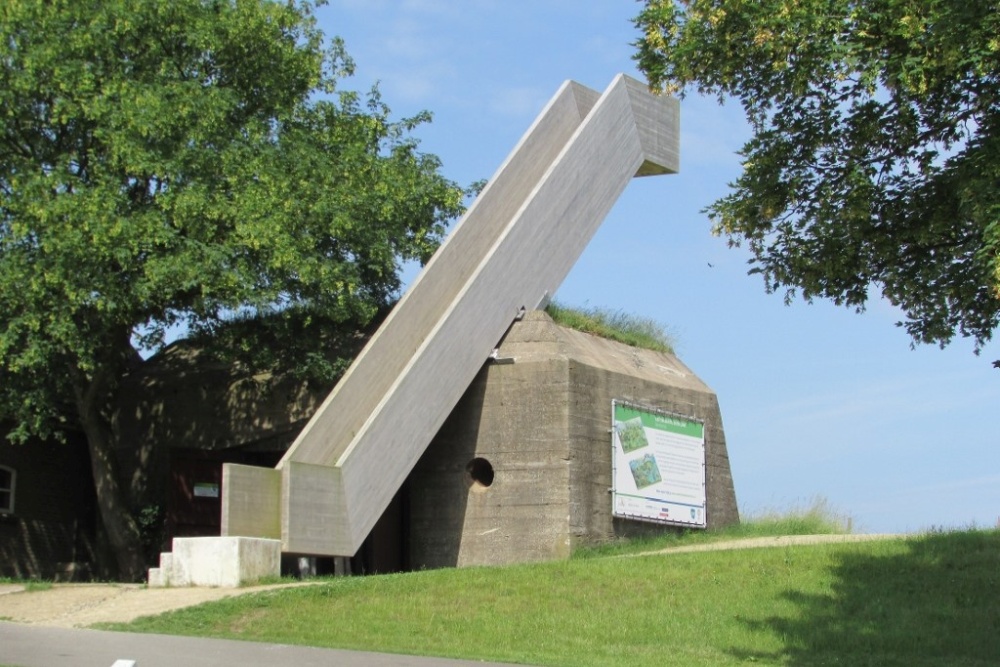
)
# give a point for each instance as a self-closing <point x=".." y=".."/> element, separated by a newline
<point x="35" y="646"/>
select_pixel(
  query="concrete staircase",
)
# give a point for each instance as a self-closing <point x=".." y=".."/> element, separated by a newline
<point x="510" y="253"/>
<point x="226" y="562"/>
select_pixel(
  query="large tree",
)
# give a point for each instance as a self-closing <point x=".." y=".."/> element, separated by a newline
<point x="169" y="165"/>
<point x="874" y="165"/>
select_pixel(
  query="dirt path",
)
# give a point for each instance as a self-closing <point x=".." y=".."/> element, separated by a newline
<point x="81" y="605"/>
<point x="781" y="541"/>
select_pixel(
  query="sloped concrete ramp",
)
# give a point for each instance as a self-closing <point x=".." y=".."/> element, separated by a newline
<point x="509" y="253"/>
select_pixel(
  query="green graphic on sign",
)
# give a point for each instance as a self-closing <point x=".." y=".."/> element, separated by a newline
<point x="644" y="471"/>
<point x="632" y="435"/>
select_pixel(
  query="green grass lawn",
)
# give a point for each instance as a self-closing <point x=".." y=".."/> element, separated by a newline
<point x="928" y="600"/>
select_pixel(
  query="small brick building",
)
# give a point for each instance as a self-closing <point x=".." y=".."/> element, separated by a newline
<point x="47" y="510"/>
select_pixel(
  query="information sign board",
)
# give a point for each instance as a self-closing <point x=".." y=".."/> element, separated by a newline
<point x="658" y="466"/>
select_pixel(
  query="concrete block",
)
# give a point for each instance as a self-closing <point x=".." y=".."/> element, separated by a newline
<point x="226" y="562"/>
<point x="311" y="495"/>
<point x="251" y="504"/>
<point x="160" y="576"/>
<point x="156" y="578"/>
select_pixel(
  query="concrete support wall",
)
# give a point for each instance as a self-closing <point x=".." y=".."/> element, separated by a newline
<point x="251" y="506"/>
<point x="415" y="317"/>
<point x="514" y="417"/>
<point x="593" y="390"/>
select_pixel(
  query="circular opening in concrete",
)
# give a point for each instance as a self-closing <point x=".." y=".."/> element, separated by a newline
<point x="481" y="471"/>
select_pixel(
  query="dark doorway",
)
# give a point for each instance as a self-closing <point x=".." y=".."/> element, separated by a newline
<point x="194" y="499"/>
<point x="386" y="549"/>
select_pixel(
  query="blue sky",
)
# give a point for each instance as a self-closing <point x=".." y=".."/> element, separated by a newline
<point x="818" y="402"/>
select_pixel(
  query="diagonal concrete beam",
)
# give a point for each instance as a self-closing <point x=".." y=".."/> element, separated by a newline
<point x="510" y="252"/>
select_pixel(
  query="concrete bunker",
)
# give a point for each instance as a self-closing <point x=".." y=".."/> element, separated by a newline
<point x="543" y="422"/>
<point x="358" y="458"/>
<point x="537" y="418"/>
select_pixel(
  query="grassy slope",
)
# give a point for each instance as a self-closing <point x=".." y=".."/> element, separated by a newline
<point x="815" y="519"/>
<point x="929" y="600"/>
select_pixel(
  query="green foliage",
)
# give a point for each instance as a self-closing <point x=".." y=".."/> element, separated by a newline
<point x="29" y="585"/>
<point x="169" y="163"/>
<point x="172" y="165"/>
<point x="309" y="345"/>
<point x="151" y="522"/>
<point x="875" y="160"/>
<point x="925" y="600"/>
<point x="614" y="325"/>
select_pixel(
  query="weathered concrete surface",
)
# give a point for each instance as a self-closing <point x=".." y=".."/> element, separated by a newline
<point x="226" y="562"/>
<point x="544" y="422"/>
<point x="511" y="251"/>
<point x="253" y="497"/>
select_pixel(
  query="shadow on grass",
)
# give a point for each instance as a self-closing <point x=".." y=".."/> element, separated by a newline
<point x="936" y="604"/>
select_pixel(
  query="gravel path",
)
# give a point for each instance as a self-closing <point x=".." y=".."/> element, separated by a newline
<point x="781" y="541"/>
<point x="81" y="605"/>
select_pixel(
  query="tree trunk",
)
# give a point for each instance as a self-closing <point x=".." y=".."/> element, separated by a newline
<point x="119" y="525"/>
